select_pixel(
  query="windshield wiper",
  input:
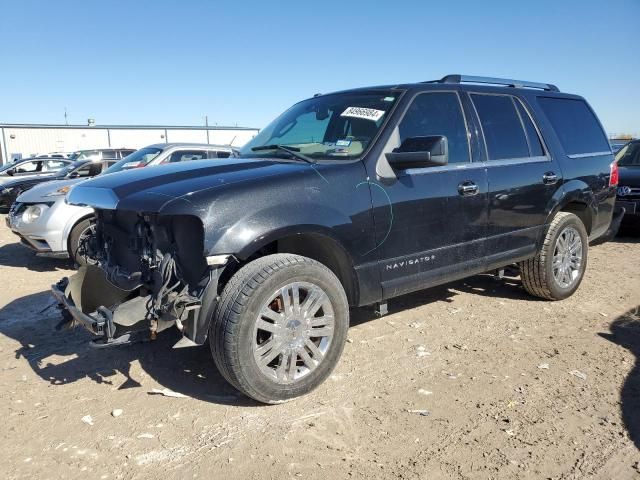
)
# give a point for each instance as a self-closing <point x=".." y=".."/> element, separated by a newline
<point x="295" y="151"/>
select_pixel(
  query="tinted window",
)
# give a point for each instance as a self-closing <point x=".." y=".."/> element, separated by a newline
<point x="575" y="124"/>
<point x="629" y="155"/>
<point x="437" y="114"/>
<point x="219" y="154"/>
<point x="501" y="125"/>
<point x="535" y="145"/>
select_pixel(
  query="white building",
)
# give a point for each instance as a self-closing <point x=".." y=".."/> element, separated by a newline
<point x="23" y="140"/>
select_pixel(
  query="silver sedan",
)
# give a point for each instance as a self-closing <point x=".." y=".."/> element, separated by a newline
<point x="51" y="227"/>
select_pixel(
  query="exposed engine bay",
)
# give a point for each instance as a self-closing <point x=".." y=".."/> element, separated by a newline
<point x="146" y="273"/>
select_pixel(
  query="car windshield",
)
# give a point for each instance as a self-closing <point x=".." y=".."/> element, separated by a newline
<point x="329" y="127"/>
<point x="137" y="159"/>
<point x="629" y="156"/>
<point x="71" y="167"/>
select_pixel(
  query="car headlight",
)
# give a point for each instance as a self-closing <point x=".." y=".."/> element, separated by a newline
<point x="33" y="212"/>
<point x="59" y="192"/>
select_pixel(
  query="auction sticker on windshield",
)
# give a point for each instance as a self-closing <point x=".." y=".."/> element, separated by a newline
<point x="365" y="113"/>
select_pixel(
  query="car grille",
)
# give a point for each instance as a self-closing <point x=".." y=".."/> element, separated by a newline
<point x="628" y="193"/>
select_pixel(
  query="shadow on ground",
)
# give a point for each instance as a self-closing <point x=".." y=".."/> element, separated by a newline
<point x="17" y="255"/>
<point x="31" y="321"/>
<point x="625" y="331"/>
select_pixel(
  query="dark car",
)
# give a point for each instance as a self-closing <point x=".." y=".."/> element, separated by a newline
<point x="23" y="171"/>
<point x="79" y="169"/>
<point x="347" y="199"/>
<point x="32" y="166"/>
<point x="628" y="160"/>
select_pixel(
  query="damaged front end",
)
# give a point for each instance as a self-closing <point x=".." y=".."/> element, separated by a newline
<point x="149" y="273"/>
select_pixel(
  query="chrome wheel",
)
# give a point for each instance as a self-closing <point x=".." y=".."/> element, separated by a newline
<point x="293" y="332"/>
<point x="567" y="257"/>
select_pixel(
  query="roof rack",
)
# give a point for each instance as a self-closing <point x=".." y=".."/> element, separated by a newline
<point x="496" y="81"/>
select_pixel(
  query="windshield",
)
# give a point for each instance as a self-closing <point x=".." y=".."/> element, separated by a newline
<point x="71" y="167"/>
<point x="629" y="156"/>
<point x="137" y="159"/>
<point x="329" y="127"/>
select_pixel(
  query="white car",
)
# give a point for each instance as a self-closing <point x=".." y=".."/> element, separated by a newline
<point x="47" y="224"/>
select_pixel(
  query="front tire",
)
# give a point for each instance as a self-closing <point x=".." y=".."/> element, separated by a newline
<point x="279" y="327"/>
<point x="79" y="233"/>
<point x="556" y="271"/>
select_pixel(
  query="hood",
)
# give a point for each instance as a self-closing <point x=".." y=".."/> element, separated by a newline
<point x="39" y="192"/>
<point x="150" y="189"/>
<point x="629" y="176"/>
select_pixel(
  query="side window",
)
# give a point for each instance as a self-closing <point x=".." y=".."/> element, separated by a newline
<point x="438" y="113"/>
<point x="28" y="167"/>
<point x="503" y="131"/>
<point x="219" y="154"/>
<point x="535" y="144"/>
<point x="53" y="165"/>
<point x="84" y="171"/>
<point x="109" y="155"/>
<point x="186" y="155"/>
<point x="576" y="125"/>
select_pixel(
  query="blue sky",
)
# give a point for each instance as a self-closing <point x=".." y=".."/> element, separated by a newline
<point x="172" y="62"/>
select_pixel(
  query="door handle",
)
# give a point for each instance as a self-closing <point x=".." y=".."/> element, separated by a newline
<point x="549" y="178"/>
<point x="467" y="189"/>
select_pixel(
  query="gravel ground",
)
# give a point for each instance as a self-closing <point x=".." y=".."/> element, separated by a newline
<point x="467" y="381"/>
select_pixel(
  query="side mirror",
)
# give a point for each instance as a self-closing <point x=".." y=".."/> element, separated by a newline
<point x="11" y="172"/>
<point x="73" y="175"/>
<point x="420" y="152"/>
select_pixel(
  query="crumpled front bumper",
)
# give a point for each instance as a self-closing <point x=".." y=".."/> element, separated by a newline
<point x="111" y="313"/>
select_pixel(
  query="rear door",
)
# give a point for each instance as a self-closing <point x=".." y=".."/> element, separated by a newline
<point x="429" y="228"/>
<point x="523" y="177"/>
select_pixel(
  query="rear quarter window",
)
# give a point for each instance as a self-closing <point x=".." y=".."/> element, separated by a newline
<point x="576" y="125"/>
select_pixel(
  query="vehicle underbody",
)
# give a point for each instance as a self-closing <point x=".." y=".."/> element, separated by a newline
<point x="147" y="273"/>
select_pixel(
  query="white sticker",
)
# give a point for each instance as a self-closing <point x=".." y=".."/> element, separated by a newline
<point x="365" y="113"/>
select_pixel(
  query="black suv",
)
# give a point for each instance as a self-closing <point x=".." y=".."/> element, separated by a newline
<point x="346" y="199"/>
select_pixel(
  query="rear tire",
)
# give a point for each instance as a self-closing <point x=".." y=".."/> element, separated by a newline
<point x="279" y="327"/>
<point x="78" y="232"/>
<point x="556" y="271"/>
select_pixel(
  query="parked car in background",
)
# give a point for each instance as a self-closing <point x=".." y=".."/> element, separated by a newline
<point x="628" y="159"/>
<point x="86" y="168"/>
<point x="346" y="199"/>
<point x="31" y="167"/>
<point x="104" y="154"/>
<point x="24" y="170"/>
<point x="51" y="227"/>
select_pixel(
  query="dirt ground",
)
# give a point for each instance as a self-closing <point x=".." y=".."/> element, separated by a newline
<point x="467" y="381"/>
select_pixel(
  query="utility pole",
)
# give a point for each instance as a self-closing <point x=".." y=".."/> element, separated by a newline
<point x="206" y="124"/>
<point x="66" y="117"/>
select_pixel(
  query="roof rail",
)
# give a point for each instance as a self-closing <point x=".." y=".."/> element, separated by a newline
<point x="497" y="81"/>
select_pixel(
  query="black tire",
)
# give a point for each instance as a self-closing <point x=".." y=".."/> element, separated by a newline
<point x="537" y="272"/>
<point x="74" y="241"/>
<point x="232" y="334"/>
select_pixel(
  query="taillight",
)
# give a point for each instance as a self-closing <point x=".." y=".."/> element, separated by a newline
<point x="614" y="176"/>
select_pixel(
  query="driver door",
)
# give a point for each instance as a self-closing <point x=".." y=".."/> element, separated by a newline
<point x="431" y="222"/>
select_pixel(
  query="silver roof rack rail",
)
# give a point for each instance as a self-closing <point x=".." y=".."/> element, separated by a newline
<point x="497" y="81"/>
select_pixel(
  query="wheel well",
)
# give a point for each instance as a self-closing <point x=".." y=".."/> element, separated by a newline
<point x="581" y="210"/>
<point x="318" y="247"/>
